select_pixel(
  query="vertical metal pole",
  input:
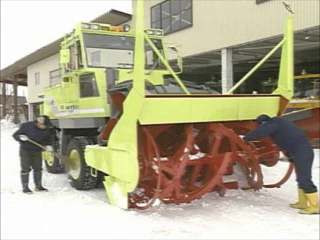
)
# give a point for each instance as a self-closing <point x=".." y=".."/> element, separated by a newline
<point x="3" y="99"/>
<point x="139" y="61"/>
<point x="286" y="71"/>
<point x="226" y="69"/>
<point x="30" y="112"/>
<point x="15" y="100"/>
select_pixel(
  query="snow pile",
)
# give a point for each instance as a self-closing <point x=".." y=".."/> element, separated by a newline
<point x="65" y="213"/>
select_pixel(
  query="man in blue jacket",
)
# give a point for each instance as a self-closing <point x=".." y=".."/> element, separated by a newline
<point x="30" y="154"/>
<point x="294" y="142"/>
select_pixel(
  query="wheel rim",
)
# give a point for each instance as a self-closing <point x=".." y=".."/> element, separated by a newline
<point x="75" y="164"/>
<point x="50" y="159"/>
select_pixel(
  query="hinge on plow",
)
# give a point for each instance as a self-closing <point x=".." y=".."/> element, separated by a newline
<point x="94" y="172"/>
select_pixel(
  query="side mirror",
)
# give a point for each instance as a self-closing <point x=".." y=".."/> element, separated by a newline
<point x="173" y="49"/>
<point x="173" y="54"/>
<point x="64" y="56"/>
<point x="180" y="64"/>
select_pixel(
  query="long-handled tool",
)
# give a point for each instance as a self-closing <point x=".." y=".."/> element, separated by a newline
<point x="64" y="159"/>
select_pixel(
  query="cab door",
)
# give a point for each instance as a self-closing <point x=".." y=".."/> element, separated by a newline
<point x="90" y="100"/>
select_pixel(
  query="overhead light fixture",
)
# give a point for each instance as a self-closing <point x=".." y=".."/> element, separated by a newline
<point x="149" y="32"/>
<point x="158" y="32"/>
<point x="85" y="26"/>
<point x="95" y="27"/>
<point x="307" y="37"/>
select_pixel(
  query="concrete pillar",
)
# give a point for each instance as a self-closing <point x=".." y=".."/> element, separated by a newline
<point x="15" y="100"/>
<point x="226" y="69"/>
<point x="30" y="112"/>
<point x="4" y="100"/>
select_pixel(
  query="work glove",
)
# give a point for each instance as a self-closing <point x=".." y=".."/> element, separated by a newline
<point x="242" y="136"/>
<point x="23" y="138"/>
<point x="49" y="148"/>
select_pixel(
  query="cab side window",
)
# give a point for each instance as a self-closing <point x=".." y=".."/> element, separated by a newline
<point x="88" y="86"/>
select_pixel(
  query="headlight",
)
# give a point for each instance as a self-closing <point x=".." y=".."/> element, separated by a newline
<point x="95" y="27"/>
<point x="85" y="26"/>
<point x="149" y="32"/>
<point x="157" y="32"/>
<point x="126" y="28"/>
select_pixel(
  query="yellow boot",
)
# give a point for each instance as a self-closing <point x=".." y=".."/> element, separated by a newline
<point x="313" y="204"/>
<point x="302" y="200"/>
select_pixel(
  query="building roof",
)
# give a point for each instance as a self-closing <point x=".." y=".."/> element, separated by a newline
<point x="9" y="100"/>
<point x="19" y="68"/>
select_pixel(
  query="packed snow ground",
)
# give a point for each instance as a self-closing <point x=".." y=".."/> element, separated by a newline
<point x="65" y="213"/>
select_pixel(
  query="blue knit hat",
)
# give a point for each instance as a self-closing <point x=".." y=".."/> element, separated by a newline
<point x="263" y="118"/>
<point x="45" y="120"/>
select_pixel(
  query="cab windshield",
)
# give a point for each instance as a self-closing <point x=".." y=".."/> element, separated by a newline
<point x="118" y="52"/>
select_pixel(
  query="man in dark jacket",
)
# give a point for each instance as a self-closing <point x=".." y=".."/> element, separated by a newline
<point x="30" y="154"/>
<point x="295" y="144"/>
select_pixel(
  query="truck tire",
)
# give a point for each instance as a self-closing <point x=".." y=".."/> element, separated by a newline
<point x="79" y="173"/>
<point x="53" y="164"/>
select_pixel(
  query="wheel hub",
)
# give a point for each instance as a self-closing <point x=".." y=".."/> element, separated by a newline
<point x="75" y="164"/>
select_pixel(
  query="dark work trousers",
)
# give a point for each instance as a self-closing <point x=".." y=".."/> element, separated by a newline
<point x="30" y="160"/>
<point x="303" y="159"/>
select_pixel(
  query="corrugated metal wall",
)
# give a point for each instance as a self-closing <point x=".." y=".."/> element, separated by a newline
<point x="223" y="23"/>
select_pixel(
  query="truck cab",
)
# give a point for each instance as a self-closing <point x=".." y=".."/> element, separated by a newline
<point x="93" y="58"/>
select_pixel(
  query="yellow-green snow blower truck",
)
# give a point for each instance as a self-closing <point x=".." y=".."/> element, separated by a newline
<point x="149" y="137"/>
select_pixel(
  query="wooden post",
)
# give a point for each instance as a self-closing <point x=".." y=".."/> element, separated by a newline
<point x="3" y="99"/>
<point x="15" y="100"/>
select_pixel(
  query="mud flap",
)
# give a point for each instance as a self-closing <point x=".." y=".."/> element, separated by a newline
<point x="116" y="192"/>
